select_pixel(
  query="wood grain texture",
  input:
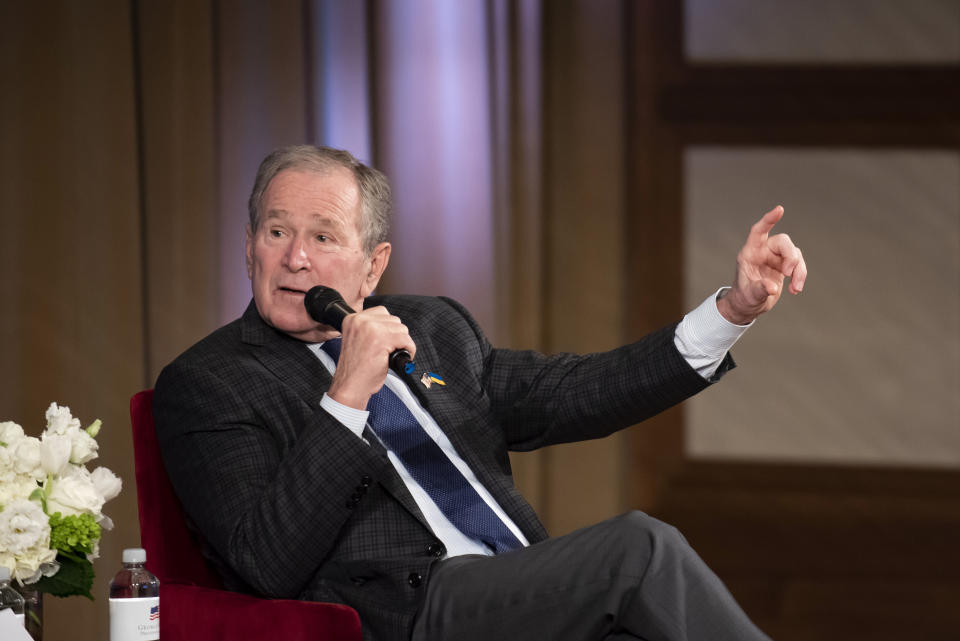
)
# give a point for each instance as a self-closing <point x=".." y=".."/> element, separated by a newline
<point x="827" y="552"/>
<point x="71" y="330"/>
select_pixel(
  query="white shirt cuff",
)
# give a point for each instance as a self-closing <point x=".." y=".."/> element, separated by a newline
<point x="350" y="417"/>
<point x="704" y="336"/>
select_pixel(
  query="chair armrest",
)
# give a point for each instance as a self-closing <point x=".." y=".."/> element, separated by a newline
<point x="193" y="613"/>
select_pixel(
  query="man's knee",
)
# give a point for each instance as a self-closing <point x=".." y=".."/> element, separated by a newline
<point x="637" y="526"/>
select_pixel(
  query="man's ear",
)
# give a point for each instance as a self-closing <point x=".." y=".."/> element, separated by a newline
<point x="249" y="252"/>
<point x="377" y="265"/>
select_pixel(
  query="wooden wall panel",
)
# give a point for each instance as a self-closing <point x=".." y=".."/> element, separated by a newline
<point x="818" y="552"/>
<point x="178" y="153"/>
<point x="583" y="221"/>
<point x="72" y="325"/>
<point x="518" y="208"/>
<point x="431" y="103"/>
<point x="652" y="231"/>
<point x="810" y="552"/>
<point x="261" y="99"/>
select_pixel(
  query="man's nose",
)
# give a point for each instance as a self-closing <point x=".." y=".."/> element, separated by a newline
<point x="296" y="256"/>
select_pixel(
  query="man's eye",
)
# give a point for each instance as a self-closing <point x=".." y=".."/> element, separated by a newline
<point x="322" y="238"/>
<point x="276" y="233"/>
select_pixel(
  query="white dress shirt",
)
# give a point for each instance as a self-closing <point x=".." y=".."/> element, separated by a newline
<point x="703" y="338"/>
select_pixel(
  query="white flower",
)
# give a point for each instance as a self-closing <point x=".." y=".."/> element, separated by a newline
<point x="23" y="526"/>
<point x="10" y="433"/>
<point x="55" y="453"/>
<point x="106" y="482"/>
<point x="37" y="562"/>
<point x="26" y="457"/>
<point x="74" y="493"/>
<point x="59" y="419"/>
<point x="83" y="447"/>
<point x="7" y="471"/>
<point x="20" y="487"/>
<point x="52" y="467"/>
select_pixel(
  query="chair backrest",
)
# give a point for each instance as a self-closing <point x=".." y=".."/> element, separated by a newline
<point x="172" y="553"/>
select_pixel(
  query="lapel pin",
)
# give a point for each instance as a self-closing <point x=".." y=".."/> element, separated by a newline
<point x="429" y="378"/>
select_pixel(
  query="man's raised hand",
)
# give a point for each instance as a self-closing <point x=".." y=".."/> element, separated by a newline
<point x="762" y="265"/>
<point x="369" y="337"/>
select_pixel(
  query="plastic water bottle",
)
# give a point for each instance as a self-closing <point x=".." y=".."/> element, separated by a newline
<point x="134" y="600"/>
<point x="10" y="598"/>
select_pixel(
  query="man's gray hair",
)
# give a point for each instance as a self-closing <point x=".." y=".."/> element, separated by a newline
<point x="375" y="203"/>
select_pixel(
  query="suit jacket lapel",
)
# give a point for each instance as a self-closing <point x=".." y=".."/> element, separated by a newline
<point x="292" y="362"/>
<point x="287" y="358"/>
<point x="464" y="427"/>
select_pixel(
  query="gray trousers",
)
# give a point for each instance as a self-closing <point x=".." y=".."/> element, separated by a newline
<point x="631" y="577"/>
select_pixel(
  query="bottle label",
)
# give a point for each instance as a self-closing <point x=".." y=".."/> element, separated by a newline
<point x="135" y="619"/>
<point x="6" y="612"/>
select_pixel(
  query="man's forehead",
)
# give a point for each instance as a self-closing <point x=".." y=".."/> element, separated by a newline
<point x="332" y="177"/>
<point x="329" y="192"/>
<point x="316" y="218"/>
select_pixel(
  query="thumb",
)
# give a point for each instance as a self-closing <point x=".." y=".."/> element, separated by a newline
<point x="760" y="290"/>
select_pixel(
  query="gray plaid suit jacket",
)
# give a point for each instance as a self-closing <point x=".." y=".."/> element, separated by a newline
<point x="291" y="504"/>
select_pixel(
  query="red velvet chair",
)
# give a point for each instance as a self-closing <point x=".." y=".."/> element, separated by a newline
<point x="194" y="605"/>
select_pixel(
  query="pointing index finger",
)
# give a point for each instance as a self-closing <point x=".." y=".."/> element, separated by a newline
<point x="761" y="229"/>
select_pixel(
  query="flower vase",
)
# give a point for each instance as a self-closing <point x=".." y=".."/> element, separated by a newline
<point x="32" y="611"/>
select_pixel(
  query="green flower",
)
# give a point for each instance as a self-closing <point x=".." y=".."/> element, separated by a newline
<point x="75" y="534"/>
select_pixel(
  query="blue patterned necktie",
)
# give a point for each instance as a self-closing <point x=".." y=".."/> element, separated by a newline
<point x="459" y="501"/>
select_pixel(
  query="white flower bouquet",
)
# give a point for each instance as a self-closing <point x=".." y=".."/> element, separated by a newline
<point x="51" y="506"/>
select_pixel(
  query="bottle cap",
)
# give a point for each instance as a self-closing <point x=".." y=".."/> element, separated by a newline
<point x="4" y="574"/>
<point x="134" y="555"/>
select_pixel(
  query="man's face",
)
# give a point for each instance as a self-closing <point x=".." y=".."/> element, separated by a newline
<point x="309" y="234"/>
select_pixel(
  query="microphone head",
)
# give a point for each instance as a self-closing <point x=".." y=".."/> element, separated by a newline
<point x="326" y="305"/>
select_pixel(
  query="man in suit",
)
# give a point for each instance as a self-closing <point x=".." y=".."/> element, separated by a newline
<point x="312" y="471"/>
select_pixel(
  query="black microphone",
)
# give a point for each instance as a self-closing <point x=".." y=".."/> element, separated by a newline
<point x="326" y="305"/>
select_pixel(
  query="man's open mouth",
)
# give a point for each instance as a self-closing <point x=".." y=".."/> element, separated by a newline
<point x="291" y="290"/>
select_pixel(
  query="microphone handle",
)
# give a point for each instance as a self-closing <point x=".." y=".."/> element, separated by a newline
<point x="400" y="361"/>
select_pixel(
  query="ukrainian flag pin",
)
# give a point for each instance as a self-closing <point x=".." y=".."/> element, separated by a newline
<point x="429" y="378"/>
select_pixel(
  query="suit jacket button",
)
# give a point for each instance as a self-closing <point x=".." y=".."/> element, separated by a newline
<point x="415" y="579"/>
<point x="436" y="549"/>
<point x="366" y="481"/>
